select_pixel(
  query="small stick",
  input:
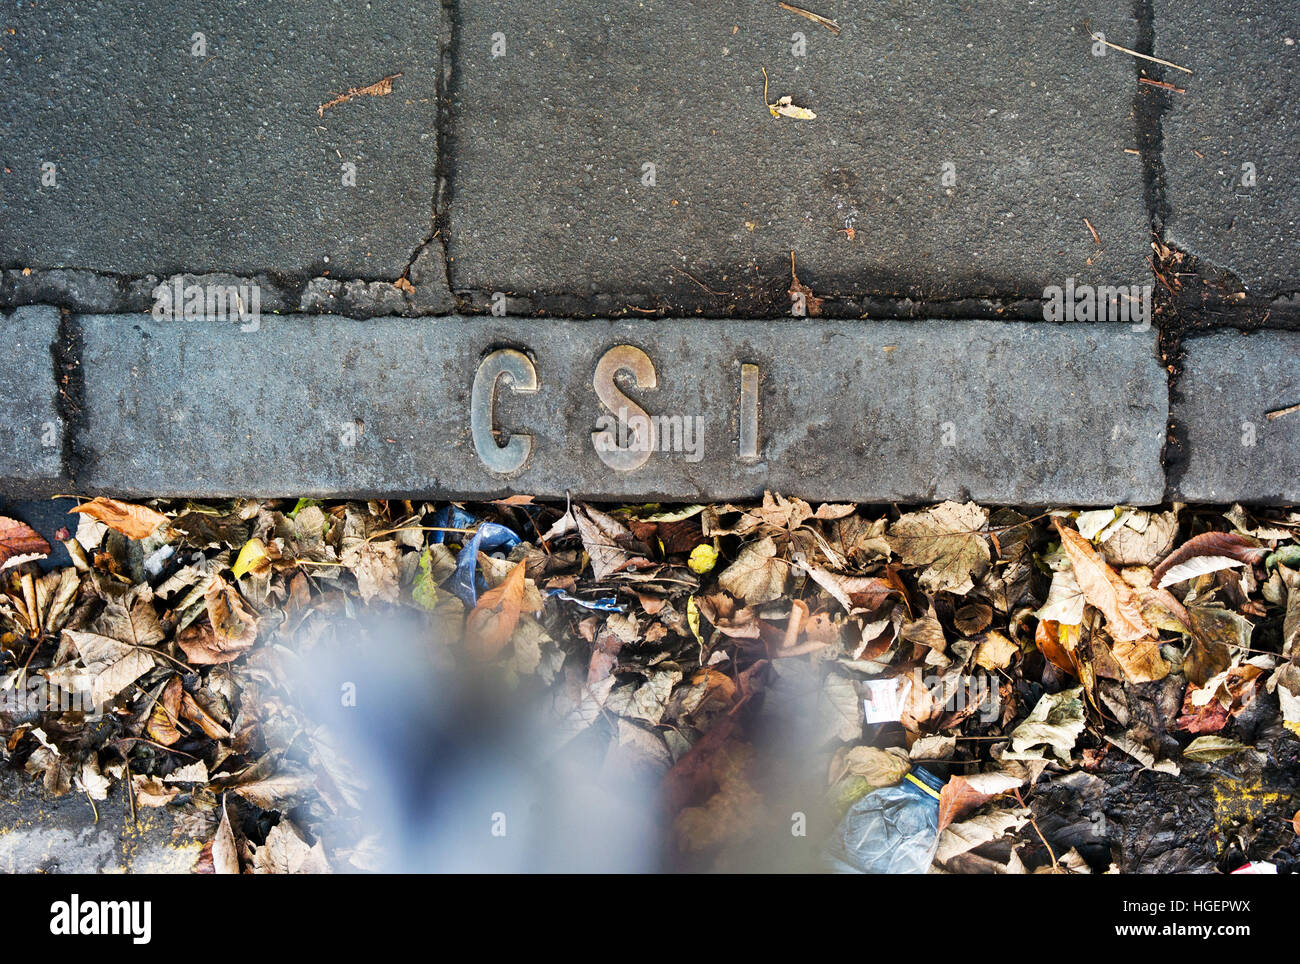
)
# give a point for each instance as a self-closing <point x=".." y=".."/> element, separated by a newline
<point x="829" y="24"/>
<point x="1096" y="238"/>
<point x="379" y="88"/>
<point x="1134" y="53"/>
<point x="1279" y="412"/>
<point x="1162" y="84"/>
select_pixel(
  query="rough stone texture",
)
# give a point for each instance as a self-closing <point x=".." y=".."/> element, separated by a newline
<point x="549" y="143"/>
<point x="1242" y="106"/>
<point x="31" y="431"/>
<point x="168" y="162"/>
<point x="40" y="834"/>
<point x="1230" y="381"/>
<point x="857" y="411"/>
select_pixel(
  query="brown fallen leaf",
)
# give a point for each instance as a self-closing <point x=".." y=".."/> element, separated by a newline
<point x="758" y="574"/>
<point x="961" y="794"/>
<point x="949" y="540"/>
<point x="152" y="792"/>
<point x="286" y="852"/>
<point x="225" y="855"/>
<point x="1140" y="660"/>
<point x="493" y="621"/>
<point x="1208" y="552"/>
<point x="132" y="521"/>
<point x="229" y="632"/>
<point x="166" y="714"/>
<point x="799" y="292"/>
<point x="380" y="88"/>
<point x="190" y="710"/>
<point x="1103" y="588"/>
<point x="20" y="543"/>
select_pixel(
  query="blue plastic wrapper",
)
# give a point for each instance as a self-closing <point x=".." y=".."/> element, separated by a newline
<point x="607" y="604"/>
<point x="893" y="830"/>
<point x="467" y="580"/>
<point x="452" y="517"/>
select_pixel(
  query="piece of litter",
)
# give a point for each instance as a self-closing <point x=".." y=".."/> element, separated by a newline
<point x="785" y="106"/>
<point x="884" y="698"/>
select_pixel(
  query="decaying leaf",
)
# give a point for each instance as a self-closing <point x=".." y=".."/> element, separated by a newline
<point x="229" y="632"/>
<point x="1056" y="722"/>
<point x="949" y="540"/>
<point x="133" y="521"/>
<point x="1208" y="552"/>
<point x="286" y="852"/>
<point x="493" y="621"/>
<point x="757" y="575"/>
<point x="20" y="543"/>
<point x="1103" y="588"/>
<point x="1207" y="749"/>
<point x="962" y="794"/>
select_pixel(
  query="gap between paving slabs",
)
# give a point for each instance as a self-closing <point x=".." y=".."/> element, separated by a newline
<point x="1115" y="687"/>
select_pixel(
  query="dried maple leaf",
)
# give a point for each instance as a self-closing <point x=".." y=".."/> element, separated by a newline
<point x="757" y="575"/>
<point x="948" y="540"/>
<point x="132" y="521"/>
<point x="1103" y="588"/>
<point x="20" y="543"/>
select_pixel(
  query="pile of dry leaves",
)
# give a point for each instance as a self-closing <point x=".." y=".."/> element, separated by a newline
<point x="1111" y="689"/>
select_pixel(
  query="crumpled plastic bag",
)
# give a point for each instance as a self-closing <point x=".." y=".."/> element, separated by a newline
<point x="893" y="830"/>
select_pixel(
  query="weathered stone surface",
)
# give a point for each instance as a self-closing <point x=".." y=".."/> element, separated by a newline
<point x="862" y="411"/>
<point x="552" y="137"/>
<point x="1231" y="450"/>
<point x="166" y="161"/>
<point x="42" y="834"/>
<point x="1242" y="107"/>
<point x="31" y="430"/>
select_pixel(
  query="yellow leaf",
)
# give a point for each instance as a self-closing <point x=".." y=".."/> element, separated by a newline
<point x="703" y="558"/>
<point x="693" y="619"/>
<point x="254" y="552"/>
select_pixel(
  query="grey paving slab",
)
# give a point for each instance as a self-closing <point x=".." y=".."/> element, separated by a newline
<point x="171" y="157"/>
<point x="44" y="834"/>
<point x="1232" y="184"/>
<point x="557" y="110"/>
<point x="1231" y="450"/>
<point x="826" y="410"/>
<point x="31" y="429"/>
